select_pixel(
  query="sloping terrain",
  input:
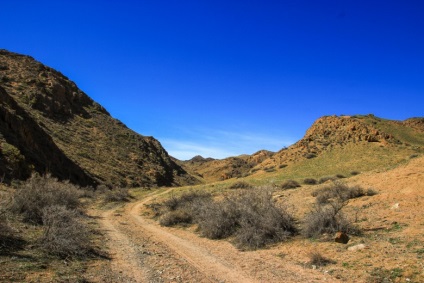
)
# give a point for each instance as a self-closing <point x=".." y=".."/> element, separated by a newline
<point x="210" y="170"/>
<point x="331" y="133"/>
<point x="48" y="125"/>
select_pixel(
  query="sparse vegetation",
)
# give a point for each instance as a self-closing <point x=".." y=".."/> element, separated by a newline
<point x="241" y="185"/>
<point x="326" y="215"/>
<point x="310" y="181"/>
<point x="65" y="234"/>
<point x="252" y="217"/>
<point x="318" y="260"/>
<point x="290" y="184"/>
<point x="117" y="195"/>
<point x="40" y="192"/>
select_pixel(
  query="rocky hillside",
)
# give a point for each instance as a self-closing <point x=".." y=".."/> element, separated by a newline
<point x="209" y="169"/>
<point x="330" y="132"/>
<point x="48" y="125"/>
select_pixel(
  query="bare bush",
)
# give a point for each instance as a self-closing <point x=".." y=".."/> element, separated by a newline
<point x="117" y="195"/>
<point x="317" y="259"/>
<point x="310" y="181"/>
<point x="172" y="218"/>
<point x="39" y="192"/>
<point x="218" y="219"/>
<point x="289" y="184"/>
<point x="261" y="221"/>
<point x="241" y="185"/>
<point x="327" y="216"/>
<point x="65" y="234"/>
<point x="326" y="219"/>
<point x="252" y="217"/>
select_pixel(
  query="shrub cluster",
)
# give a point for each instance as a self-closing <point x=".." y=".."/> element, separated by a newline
<point x="39" y="192"/>
<point x="241" y="185"/>
<point x="290" y="184"/>
<point x="43" y="200"/>
<point x="65" y="234"/>
<point x="251" y="217"/>
<point x="116" y="195"/>
<point x="310" y="181"/>
<point x="326" y="215"/>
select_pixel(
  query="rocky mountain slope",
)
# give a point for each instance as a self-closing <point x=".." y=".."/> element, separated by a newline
<point x="330" y="132"/>
<point x="48" y="125"/>
<point x="209" y="169"/>
<point x="338" y="135"/>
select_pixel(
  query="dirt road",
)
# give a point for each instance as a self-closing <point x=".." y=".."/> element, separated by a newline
<point x="143" y="251"/>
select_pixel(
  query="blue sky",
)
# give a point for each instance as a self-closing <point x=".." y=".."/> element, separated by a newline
<point x="223" y="78"/>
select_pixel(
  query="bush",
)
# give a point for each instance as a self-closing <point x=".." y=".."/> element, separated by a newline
<point x="326" y="219"/>
<point x="39" y="192"/>
<point x="252" y="217"/>
<point x="337" y="190"/>
<point x="340" y="176"/>
<point x="353" y="173"/>
<point x="281" y="166"/>
<point x="317" y="259"/>
<point x="327" y="216"/>
<point x="117" y="195"/>
<point x="175" y="217"/>
<point x="241" y="185"/>
<point x="261" y="221"/>
<point x="310" y="181"/>
<point x="65" y="234"/>
<point x="218" y="219"/>
<point x="327" y="178"/>
<point x="310" y="155"/>
<point x="290" y="184"/>
<point x="371" y="192"/>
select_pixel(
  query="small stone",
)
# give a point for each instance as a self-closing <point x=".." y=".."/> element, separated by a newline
<point x="357" y="247"/>
<point x="341" y="237"/>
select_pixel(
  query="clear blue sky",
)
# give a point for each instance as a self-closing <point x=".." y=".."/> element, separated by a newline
<point x="221" y="78"/>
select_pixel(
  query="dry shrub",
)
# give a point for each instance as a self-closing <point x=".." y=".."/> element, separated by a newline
<point x="310" y="181"/>
<point x="181" y="209"/>
<point x="241" y="185"/>
<point x="39" y="192"/>
<point x="65" y="234"/>
<point x="327" y="216"/>
<point x="326" y="178"/>
<point x="326" y="219"/>
<point x="262" y="221"/>
<point x="253" y="218"/>
<point x="117" y="195"/>
<point x="317" y="259"/>
<point x="218" y="219"/>
<point x="289" y="184"/>
<point x="339" y="190"/>
<point x="175" y="217"/>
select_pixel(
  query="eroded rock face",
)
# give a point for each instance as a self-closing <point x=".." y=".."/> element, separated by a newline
<point x="57" y="128"/>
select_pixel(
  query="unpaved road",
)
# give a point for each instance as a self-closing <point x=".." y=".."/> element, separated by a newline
<point x="143" y="251"/>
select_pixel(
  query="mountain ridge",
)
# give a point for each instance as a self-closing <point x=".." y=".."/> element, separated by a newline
<point x="43" y="109"/>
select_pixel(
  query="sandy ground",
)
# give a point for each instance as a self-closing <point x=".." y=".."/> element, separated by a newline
<point x="392" y="221"/>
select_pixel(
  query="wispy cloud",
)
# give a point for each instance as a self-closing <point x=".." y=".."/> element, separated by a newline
<point x="220" y="144"/>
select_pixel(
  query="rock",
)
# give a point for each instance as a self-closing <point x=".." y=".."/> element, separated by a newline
<point x="357" y="247"/>
<point x="395" y="206"/>
<point x="341" y="237"/>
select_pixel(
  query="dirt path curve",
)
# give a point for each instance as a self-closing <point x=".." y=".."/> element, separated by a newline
<point x="143" y="251"/>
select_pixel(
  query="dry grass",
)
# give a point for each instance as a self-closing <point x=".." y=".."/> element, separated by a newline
<point x="64" y="233"/>
<point x="39" y="192"/>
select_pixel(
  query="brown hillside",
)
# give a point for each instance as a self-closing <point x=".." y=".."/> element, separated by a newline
<point x="209" y="169"/>
<point x="330" y="132"/>
<point x="48" y="125"/>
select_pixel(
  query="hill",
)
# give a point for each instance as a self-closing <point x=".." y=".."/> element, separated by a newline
<point x="209" y="169"/>
<point x="332" y="145"/>
<point x="49" y="125"/>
